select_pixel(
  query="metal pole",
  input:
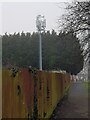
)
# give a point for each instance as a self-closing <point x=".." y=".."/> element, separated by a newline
<point x="40" y="51"/>
<point x="40" y="24"/>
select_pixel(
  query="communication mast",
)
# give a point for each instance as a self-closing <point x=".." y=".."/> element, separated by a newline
<point x="40" y="24"/>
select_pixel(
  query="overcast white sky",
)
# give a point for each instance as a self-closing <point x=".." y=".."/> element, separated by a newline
<point x="21" y="16"/>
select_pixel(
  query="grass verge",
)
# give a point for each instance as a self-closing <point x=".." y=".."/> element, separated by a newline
<point x="87" y="85"/>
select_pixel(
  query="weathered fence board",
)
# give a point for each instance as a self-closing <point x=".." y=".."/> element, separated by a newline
<point x="32" y="94"/>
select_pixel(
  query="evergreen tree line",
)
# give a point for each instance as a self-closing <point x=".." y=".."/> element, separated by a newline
<point x="59" y="52"/>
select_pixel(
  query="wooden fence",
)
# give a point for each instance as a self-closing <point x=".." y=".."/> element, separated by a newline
<point x="32" y="93"/>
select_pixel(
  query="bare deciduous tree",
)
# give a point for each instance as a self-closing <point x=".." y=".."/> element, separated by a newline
<point x="77" y="20"/>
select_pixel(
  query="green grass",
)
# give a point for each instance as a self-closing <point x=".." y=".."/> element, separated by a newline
<point x="87" y="85"/>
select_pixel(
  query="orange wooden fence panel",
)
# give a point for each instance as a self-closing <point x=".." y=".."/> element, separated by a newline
<point x="32" y="94"/>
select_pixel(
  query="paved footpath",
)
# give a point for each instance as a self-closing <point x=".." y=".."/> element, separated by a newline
<point x="75" y="105"/>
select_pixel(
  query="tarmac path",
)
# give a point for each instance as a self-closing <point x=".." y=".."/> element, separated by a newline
<point x="75" y="105"/>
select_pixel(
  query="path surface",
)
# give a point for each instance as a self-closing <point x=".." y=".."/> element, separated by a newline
<point x="76" y="105"/>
